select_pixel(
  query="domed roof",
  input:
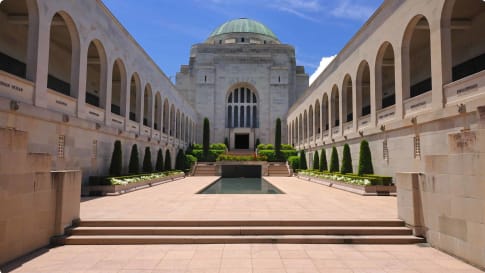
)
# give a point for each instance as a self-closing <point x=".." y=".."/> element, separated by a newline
<point x="243" y="25"/>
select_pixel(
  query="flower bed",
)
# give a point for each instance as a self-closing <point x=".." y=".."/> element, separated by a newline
<point x="124" y="184"/>
<point x="363" y="185"/>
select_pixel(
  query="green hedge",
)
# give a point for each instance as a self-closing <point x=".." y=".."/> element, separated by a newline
<point x="224" y="157"/>
<point x="374" y="179"/>
<point x="271" y="155"/>
<point x="107" y="180"/>
<point x="215" y="146"/>
<point x="294" y="162"/>
<point x="213" y="154"/>
<point x="271" y="147"/>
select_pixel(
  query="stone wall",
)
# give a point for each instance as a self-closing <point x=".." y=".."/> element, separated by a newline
<point x="36" y="204"/>
<point x="446" y="203"/>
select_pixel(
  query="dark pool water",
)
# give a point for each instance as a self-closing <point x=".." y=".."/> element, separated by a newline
<point x="241" y="186"/>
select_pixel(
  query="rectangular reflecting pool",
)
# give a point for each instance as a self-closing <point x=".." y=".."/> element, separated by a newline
<point x="241" y="186"/>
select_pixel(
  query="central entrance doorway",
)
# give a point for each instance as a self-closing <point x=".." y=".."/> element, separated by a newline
<point x="242" y="141"/>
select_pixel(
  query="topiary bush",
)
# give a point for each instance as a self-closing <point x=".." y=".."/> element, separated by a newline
<point x="365" y="159"/>
<point x="257" y="143"/>
<point x="316" y="161"/>
<point x="294" y="162"/>
<point x="303" y="165"/>
<point x="147" y="161"/>
<point x="334" y="165"/>
<point x="116" y="165"/>
<point x="189" y="161"/>
<point x="180" y="160"/>
<point x="277" y="140"/>
<point x="226" y="142"/>
<point x="218" y="146"/>
<point x="168" y="161"/>
<point x="134" y="165"/>
<point x="206" y="138"/>
<point x="159" y="164"/>
<point x="346" y="160"/>
<point x="287" y="147"/>
<point x="323" y="161"/>
<point x="271" y="155"/>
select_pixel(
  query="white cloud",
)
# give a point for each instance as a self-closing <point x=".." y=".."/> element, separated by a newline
<point x="323" y="64"/>
<point x="354" y="11"/>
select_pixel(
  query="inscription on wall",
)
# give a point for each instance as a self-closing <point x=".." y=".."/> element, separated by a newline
<point x="11" y="86"/>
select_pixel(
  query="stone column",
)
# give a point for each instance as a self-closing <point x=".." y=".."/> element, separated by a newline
<point x="107" y="84"/>
<point x="373" y="94"/>
<point x="127" y="96"/>
<point x="441" y="61"/>
<point x="40" y="60"/>
<point x="402" y="81"/>
<point x="79" y="67"/>
<point x="356" y="103"/>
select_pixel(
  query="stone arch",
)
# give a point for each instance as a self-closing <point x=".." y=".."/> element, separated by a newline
<point x="310" y="121"/>
<point x="135" y="90"/>
<point x="166" y="116"/>
<point x="385" y="77"/>
<point x="172" y="120"/>
<point x="64" y="55"/>
<point x="363" y="90"/>
<point x="158" y="112"/>
<point x="416" y="57"/>
<point x="242" y="106"/>
<point x="148" y="106"/>
<point x="318" y="116"/>
<point x="96" y="74"/>
<point x="305" y="126"/>
<point x="118" y="88"/>
<point x="335" y="107"/>
<point x="347" y="102"/>
<point x="325" y="113"/>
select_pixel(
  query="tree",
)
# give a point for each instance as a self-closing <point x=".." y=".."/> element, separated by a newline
<point x="147" y="161"/>
<point x="346" y="160"/>
<point x="365" y="159"/>
<point x="226" y="142"/>
<point x="168" y="161"/>
<point x="206" y="139"/>
<point x="159" y="164"/>
<point x="303" y="165"/>
<point x="257" y="143"/>
<point x="323" y="161"/>
<point x="180" y="160"/>
<point x="277" y="140"/>
<point x="316" y="161"/>
<point x="134" y="166"/>
<point x="334" y="165"/>
<point x="116" y="160"/>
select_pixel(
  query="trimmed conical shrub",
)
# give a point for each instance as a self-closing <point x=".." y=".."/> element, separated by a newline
<point x="334" y="165"/>
<point x="168" y="161"/>
<point x="277" y="140"/>
<point x="257" y="143"/>
<point x="323" y="161"/>
<point x="206" y="139"/>
<point x="147" y="161"/>
<point x="180" y="160"/>
<point x="365" y="159"/>
<point x="116" y="160"/>
<point x="303" y="165"/>
<point x="159" y="164"/>
<point x="134" y="166"/>
<point x="226" y="142"/>
<point x="316" y="161"/>
<point x="346" y="160"/>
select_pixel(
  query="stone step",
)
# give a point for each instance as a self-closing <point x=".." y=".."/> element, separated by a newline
<point x="273" y="239"/>
<point x="243" y="223"/>
<point x="243" y="231"/>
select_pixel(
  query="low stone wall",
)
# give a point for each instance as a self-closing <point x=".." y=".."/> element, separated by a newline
<point x="358" y="189"/>
<point x="446" y="204"/>
<point x="35" y="203"/>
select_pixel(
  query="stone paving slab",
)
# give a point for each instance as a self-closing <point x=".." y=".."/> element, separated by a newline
<point x="248" y="258"/>
<point x="178" y="200"/>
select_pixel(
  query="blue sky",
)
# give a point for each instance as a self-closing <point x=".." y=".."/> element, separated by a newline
<point x="167" y="29"/>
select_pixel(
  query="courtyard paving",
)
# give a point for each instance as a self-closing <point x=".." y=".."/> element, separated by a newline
<point x="178" y="200"/>
<point x="303" y="200"/>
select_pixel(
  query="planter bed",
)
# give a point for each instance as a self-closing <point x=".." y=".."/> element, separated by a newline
<point x="103" y="190"/>
<point x="372" y="190"/>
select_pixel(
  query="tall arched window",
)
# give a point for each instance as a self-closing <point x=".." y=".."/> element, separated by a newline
<point x="242" y="109"/>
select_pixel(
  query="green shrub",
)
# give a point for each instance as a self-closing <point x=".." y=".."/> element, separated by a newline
<point x="168" y="161"/>
<point x="316" y="161"/>
<point x="116" y="160"/>
<point x="134" y="165"/>
<point x="206" y="138"/>
<point x="294" y="162"/>
<point x="197" y="147"/>
<point x="213" y="154"/>
<point x="303" y="165"/>
<point x="189" y="161"/>
<point x="218" y="146"/>
<point x="147" y="161"/>
<point x="334" y="165"/>
<point x="277" y="139"/>
<point x="365" y="159"/>
<point x="381" y="180"/>
<point x="257" y="143"/>
<point x="323" y="161"/>
<point x="346" y="160"/>
<point x="226" y="142"/>
<point x="224" y="157"/>
<point x="180" y="160"/>
<point x="271" y="155"/>
<point x="159" y="164"/>
<point x="287" y="147"/>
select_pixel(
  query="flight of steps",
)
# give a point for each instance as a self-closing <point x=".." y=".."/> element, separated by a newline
<point x="280" y="170"/>
<point x="205" y="170"/>
<point x="108" y="232"/>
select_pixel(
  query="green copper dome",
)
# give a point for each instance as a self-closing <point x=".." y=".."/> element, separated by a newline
<point x="243" y="25"/>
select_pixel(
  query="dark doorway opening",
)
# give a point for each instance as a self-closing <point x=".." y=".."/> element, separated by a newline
<point x="242" y="141"/>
